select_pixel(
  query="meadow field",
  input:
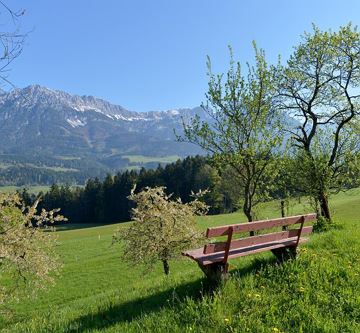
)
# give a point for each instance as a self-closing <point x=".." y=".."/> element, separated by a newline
<point x="97" y="292"/>
<point x="31" y="189"/>
<point x="149" y="159"/>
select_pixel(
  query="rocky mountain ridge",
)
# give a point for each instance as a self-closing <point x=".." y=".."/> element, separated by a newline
<point x="42" y="124"/>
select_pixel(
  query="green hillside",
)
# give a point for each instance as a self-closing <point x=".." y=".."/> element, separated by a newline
<point x="31" y="189"/>
<point x="147" y="159"/>
<point x="96" y="292"/>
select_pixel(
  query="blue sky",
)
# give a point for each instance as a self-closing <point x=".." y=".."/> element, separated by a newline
<point x="151" y="55"/>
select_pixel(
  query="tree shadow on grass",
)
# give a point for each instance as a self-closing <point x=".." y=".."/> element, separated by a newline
<point x="129" y="311"/>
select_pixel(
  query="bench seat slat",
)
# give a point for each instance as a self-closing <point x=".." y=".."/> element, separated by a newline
<point x="255" y="240"/>
<point x="258" y="225"/>
<point x="207" y="259"/>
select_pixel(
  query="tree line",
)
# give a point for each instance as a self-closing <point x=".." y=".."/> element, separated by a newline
<point x="106" y="201"/>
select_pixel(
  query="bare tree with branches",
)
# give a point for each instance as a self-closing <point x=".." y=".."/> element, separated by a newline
<point x="11" y="41"/>
<point x="319" y="87"/>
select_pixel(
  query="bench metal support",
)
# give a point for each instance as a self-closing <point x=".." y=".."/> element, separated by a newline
<point x="285" y="253"/>
<point x="216" y="272"/>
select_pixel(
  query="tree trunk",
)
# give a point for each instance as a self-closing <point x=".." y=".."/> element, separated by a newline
<point x="324" y="206"/>
<point x="282" y="203"/>
<point x="248" y="214"/>
<point x="166" y="267"/>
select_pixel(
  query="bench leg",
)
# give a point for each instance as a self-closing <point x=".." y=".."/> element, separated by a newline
<point x="215" y="272"/>
<point x="286" y="253"/>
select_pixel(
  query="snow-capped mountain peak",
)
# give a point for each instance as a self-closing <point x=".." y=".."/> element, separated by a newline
<point x="38" y="97"/>
<point x="37" y="120"/>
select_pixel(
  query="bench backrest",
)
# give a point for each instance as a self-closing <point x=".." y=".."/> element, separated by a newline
<point x="229" y="230"/>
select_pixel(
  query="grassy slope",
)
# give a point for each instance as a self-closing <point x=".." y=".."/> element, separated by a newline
<point x="319" y="292"/>
<point x="31" y="189"/>
<point x="149" y="159"/>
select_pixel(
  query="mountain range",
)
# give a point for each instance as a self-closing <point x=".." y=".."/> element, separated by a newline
<point x="50" y="133"/>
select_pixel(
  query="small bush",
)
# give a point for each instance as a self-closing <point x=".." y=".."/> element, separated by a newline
<point x="162" y="228"/>
<point x="323" y="224"/>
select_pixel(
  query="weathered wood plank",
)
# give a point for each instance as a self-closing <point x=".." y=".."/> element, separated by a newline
<point x="255" y="240"/>
<point x="208" y="259"/>
<point x="258" y="225"/>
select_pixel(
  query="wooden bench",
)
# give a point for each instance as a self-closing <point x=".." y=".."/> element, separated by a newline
<point x="213" y="258"/>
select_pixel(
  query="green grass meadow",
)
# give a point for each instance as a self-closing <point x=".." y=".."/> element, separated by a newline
<point x="96" y="292"/>
<point x="149" y="159"/>
<point x="32" y="189"/>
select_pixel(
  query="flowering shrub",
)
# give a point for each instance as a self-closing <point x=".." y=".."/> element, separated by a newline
<point x="27" y="255"/>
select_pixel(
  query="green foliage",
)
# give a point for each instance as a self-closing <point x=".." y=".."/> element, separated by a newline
<point x="243" y="130"/>
<point x="27" y="255"/>
<point x="162" y="228"/>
